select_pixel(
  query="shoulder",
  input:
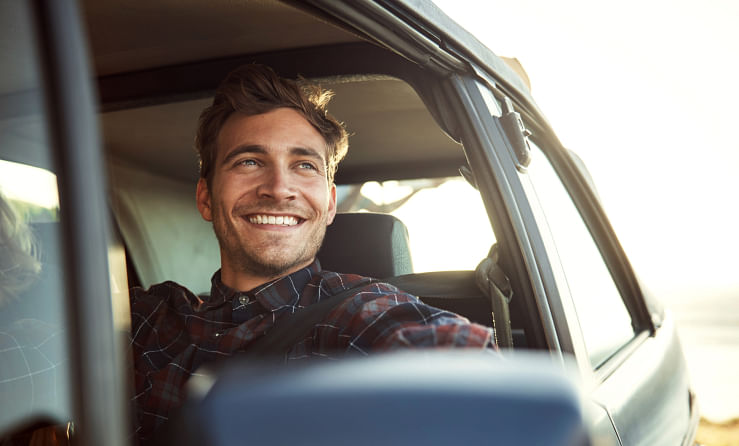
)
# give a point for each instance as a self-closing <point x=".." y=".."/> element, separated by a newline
<point x="160" y="291"/>
<point x="163" y="297"/>
<point x="332" y="283"/>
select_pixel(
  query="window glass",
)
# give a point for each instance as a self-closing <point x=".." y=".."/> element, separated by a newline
<point x="448" y="226"/>
<point x="33" y="347"/>
<point x="602" y="314"/>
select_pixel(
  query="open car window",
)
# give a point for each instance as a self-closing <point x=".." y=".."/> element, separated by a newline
<point x="392" y="166"/>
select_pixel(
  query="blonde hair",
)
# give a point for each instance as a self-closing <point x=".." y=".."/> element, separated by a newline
<point x="19" y="262"/>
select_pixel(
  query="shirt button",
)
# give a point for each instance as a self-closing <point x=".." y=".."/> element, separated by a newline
<point x="244" y="300"/>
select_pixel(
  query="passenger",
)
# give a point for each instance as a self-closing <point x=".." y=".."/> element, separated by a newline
<point x="30" y="348"/>
<point x="268" y="154"/>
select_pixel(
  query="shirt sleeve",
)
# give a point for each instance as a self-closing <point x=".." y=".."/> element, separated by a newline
<point x="381" y="318"/>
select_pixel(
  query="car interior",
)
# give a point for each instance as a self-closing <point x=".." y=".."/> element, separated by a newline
<point x="400" y="187"/>
<point x="422" y="222"/>
<point x="153" y="84"/>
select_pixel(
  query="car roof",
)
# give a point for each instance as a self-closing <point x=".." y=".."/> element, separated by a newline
<point x="127" y="37"/>
<point x="158" y="63"/>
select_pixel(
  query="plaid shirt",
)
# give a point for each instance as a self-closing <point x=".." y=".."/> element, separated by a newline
<point x="175" y="331"/>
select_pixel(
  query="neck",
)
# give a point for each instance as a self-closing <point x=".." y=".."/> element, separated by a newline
<point x="240" y="280"/>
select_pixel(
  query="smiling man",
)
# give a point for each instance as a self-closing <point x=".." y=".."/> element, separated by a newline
<point x="268" y="154"/>
<point x="268" y="195"/>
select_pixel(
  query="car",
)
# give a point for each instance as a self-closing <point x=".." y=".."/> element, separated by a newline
<point x="99" y="102"/>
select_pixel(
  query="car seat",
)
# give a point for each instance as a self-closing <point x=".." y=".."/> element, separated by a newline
<point x="377" y="245"/>
<point x="368" y="244"/>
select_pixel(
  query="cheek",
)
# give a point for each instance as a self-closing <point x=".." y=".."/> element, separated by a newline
<point x="230" y="189"/>
<point x="320" y="198"/>
<point x="324" y="204"/>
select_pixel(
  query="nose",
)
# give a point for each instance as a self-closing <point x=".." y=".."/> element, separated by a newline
<point x="276" y="184"/>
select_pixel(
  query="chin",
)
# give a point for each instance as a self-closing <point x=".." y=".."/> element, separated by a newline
<point x="277" y="267"/>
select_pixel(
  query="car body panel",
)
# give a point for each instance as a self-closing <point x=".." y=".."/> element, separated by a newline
<point x="655" y="412"/>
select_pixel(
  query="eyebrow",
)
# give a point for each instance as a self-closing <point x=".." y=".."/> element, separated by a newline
<point x="242" y="149"/>
<point x="300" y="151"/>
<point x="306" y="151"/>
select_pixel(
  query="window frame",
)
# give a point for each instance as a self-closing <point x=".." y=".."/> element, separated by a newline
<point x="485" y="146"/>
<point x="98" y="370"/>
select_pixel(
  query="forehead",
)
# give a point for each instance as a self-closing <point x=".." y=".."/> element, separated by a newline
<point x="278" y="130"/>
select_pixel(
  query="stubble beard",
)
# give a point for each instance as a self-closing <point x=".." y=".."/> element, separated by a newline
<point x="267" y="260"/>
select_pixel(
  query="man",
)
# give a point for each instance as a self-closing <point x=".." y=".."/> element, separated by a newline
<point x="268" y="153"/>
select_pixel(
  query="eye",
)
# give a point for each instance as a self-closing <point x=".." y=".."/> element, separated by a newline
<point x="246" y="162"/>
<point x="307" y="165"/>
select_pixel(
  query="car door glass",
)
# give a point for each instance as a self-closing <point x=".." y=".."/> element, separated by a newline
<point x="34" y="370"/>
<point x="602" y="314"/>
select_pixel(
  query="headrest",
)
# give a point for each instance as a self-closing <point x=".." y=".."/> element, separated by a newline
<point x="372" y="245"/>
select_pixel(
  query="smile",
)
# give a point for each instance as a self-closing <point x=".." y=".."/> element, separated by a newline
<point x="283" y="220"/>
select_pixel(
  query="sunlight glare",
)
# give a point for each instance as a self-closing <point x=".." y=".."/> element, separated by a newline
<point x="29" y="184"/>
<point x="449" y="227"/>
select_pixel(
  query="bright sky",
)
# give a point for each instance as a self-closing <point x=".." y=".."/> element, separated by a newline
<point x="646" y="93"/>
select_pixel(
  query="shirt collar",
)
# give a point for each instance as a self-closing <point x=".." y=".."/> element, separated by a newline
<point x="273" y="295"/>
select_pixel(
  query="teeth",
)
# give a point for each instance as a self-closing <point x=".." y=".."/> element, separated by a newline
<point x="283" y="220"/>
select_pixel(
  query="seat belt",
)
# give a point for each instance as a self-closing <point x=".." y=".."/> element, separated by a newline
<point x="492" y="281"/>
<point x="287" y="331"/>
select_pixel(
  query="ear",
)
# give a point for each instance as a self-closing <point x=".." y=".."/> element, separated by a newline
<point x="331" y="204"/>
<point x="202" y="198"/>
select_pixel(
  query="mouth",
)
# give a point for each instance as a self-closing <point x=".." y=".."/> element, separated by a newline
<point x="278" y="220"/>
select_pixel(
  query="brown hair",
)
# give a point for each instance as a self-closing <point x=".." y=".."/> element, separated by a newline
<point x="256" y="89"/>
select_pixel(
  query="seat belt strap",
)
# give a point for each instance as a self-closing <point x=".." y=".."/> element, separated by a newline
<point x="492" y="281"/>
<point x="290" y="329"/>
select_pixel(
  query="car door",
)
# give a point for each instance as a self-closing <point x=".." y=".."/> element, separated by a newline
<point x="637" y="370"/>
<point x="635" y="367"/>
<point x="60" y="370"/>
<point x="588" y="299"/>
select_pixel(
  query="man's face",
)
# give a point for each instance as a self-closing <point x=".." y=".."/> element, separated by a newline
<point x="269" y="198"/>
